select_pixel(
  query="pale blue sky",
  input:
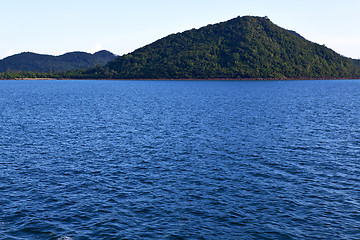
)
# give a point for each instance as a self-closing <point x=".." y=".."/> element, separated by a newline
<point x="59" y="26"/>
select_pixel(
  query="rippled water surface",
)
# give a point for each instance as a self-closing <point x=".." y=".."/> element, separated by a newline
<point x="179" y="160"/>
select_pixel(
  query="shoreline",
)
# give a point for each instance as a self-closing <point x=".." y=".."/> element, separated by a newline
<point x="30" y="79"/>
<point x="190" y="79"/>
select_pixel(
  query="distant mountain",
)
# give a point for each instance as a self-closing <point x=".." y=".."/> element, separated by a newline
<point x="244" y="47"/>
<point x="46" y="63"/>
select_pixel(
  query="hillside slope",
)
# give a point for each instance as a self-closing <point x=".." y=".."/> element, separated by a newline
<point x="46" y="63"/>
<point x="244" y="47"/>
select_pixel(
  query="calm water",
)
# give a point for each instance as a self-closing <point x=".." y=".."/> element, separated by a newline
<point x="179" y="160"/>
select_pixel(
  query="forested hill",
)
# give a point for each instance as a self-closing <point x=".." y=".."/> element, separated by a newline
<point x="46" y="63"/>
<point x="244" y="47"/>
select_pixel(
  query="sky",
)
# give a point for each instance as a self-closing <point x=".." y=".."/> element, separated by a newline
<point x="121" y="26"/>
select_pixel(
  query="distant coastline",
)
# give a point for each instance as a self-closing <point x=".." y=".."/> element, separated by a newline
<point x="192" y="79"/>
<point x="243" y="48"/>
<point x="32" y="79"/>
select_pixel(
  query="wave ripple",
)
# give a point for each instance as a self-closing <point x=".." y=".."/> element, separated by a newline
<point x="179" y="160"/>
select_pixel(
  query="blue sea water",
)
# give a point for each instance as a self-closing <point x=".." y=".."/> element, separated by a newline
<point x="179" y="159"/>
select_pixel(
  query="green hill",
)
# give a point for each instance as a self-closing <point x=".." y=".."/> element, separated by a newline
<point x="46" y="63"/>
<point x="244" y="47"/>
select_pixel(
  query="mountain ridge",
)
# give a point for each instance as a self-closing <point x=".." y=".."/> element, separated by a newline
<point x="241" y="48"/>
<point x="35" y="62"/>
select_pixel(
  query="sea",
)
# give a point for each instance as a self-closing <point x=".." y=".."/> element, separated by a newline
<point x="102" y="159"/>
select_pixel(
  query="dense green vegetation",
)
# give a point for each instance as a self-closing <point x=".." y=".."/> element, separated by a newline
<point x="46" y="63"/>
<point x="241" y="48"/>
<point x="244" y="47"/>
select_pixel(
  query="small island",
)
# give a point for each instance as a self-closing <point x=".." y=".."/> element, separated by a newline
<point x="241" y="48"/>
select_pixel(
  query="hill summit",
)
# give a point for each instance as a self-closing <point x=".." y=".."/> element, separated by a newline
<point x="243" y="47"/>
